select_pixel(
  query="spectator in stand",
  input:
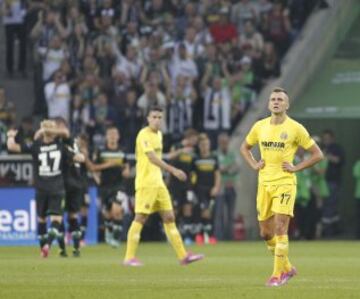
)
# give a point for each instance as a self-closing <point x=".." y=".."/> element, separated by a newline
<point x="253" y="39"/>
<point x="7" y="117"/>
<point x="153" y="97"/>
<point x="194" y="49"/>
<point x="48" y="25"/>
<point x="217" y="108"/>
<point x="13" y="14"/>
<point x="26" y="131"/>
<point x="242" y="12"/>
<point x="79" y="115"/>
<point x="53" y="57"/>
<point x="267" y="66"/>
<point x="277" y="27"/>
<point x="180" y="109"/>
<point x="183" y="65"/>
<point x="104" y="114"/>
<point x="223" y="31"/>
<point x="58" y="96"/>
<point x="131" y="118"/>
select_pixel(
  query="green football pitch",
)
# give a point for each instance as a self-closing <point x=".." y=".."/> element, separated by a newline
<point x="230" y="270"/>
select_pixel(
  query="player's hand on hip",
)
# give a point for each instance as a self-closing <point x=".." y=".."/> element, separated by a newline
<point x="179" y="174"/>
<point x="259" y="165"/>
<point x="288" y="167"/>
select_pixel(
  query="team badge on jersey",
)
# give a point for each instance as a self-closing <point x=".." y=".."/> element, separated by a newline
<point x="283" y="135"/>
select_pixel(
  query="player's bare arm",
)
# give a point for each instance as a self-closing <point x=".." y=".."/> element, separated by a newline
<point x="165" y="166"/>
<point x="217" y="186"/>
<point x="245" y="150"/>
<point x="316" y="156"/>
<point x="126" y="172"/>
<point x="11" y="143"/>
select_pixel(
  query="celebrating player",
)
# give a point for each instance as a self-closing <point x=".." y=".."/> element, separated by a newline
<point x="48" y="154"/>
<point x="151" y="194"/>
<point x="278" y="137"/>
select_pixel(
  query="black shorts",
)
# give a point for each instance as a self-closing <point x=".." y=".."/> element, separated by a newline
<point x="179" y="196"/>
<point x="205" y="201"/>
<point x="73" y="199"/>
<point x="49" y="203"/>
<point x="110" y="196"/>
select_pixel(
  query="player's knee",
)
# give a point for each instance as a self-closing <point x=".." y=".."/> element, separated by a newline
<point x="141" y="218"/>
<point x="265" y="234"/>
<point x="116" y="211"/>
<point x="169" y="218"/>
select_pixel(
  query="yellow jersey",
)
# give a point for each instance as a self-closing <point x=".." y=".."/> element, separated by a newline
<point x="278" y="144"/>
<point x="148" y="174"/>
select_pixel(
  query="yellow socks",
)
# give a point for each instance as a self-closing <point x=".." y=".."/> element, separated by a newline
<point x="271" y="245"/>
<point x="281" y="255"/>
<point x="175" y="239"/>
<point x="133" y="239"/>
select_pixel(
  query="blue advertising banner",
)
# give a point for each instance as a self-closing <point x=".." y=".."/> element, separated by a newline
<point x="18" y="217"/>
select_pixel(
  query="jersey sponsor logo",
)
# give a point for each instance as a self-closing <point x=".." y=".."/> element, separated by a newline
<point x="205" y="165"/>
<point x="272" y="145"/>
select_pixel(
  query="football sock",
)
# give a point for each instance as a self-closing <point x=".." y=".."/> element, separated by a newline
<point x="61" y="237"/>
<point x="271" y="247"/>
<point x="83" y="226"/>
<point x="42" y="235"/>
<point x="53" y="231"/>
<point x="75" y="232"/>
<point x="174" y="238"/>
<point x="117" y="229"/>
<point x="281" y="254"/>
<point x="133" y="239"/>
<point x="208" y="227"/>
<point x="187" y="227"/>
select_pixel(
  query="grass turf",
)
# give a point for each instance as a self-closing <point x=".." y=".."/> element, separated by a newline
<point x="230" y="270"/>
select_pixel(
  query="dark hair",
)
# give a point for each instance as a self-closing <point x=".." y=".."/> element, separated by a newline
<point x="155" y="108"/>
<point x="329" y="132"/>
<point x="111" y="127"/>
<point x="279" y="89"/>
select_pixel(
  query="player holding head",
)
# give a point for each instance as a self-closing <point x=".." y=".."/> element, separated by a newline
<point x="48" y="152"/>
<point x="151" y="194"/>
<point x="278" y="137"/>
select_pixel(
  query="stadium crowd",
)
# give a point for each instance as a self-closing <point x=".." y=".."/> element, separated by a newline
<point x="104" y="63"/>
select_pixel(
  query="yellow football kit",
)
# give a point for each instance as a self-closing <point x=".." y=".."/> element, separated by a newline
<point x="278" y="144"/>
<point x="151" y="194"/>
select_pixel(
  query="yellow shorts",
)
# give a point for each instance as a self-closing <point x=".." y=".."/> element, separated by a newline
<point x="275" y="199"/>
<point x="151" y="200"/>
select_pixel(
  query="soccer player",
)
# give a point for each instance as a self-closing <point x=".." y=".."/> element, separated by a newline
<point x="207" y="188"/>
<point x="181" y="156"/>
<point x="112" y="164"/>
<point x="151" y="194"/>
<point x="74" y="188"/>
<point x="278" y="137"/>
<point x="48" y="156"/>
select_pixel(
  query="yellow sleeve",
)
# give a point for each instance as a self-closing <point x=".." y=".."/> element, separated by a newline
<point x="252" y="137"/>
<point x="144" y="143"/>
<point x="303" y="138"/>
